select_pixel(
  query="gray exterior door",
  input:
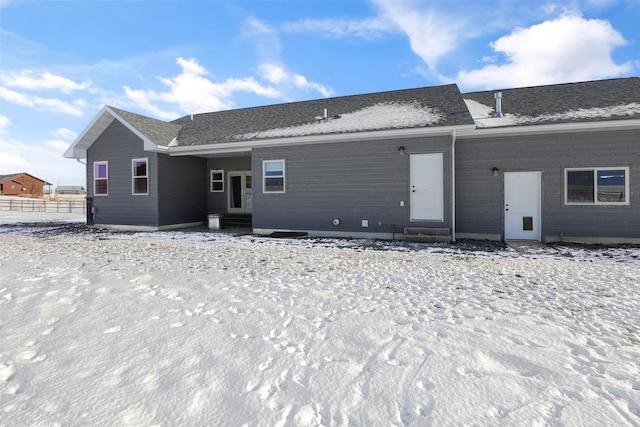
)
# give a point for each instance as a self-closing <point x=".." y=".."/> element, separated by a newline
<point x="426" y="187"/>
<point x="522" y="205"/>
<point x="240" y="195"/>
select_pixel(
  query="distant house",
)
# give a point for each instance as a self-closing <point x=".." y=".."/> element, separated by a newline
<point x="65" y="190"/>
<point x="547" y="163"/>
<point x="22" y="184"/>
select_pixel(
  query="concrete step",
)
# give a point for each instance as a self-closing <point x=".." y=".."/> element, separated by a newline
<point x="427" y="234"/>
<point x="237" y="221"/>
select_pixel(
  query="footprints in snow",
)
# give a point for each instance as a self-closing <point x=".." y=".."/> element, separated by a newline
<point x="11" y="379"/>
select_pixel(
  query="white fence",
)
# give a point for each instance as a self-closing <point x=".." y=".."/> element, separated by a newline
<point x="41" y="205"/>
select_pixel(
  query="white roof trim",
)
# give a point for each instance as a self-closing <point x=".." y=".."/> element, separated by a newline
<point x="551" y="128"/>
<point x="247" y="146"/>
<point x="78" y="149"/>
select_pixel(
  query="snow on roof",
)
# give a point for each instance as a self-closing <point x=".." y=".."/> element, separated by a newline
<point x="482" y="114"/>
<point x="380" y="116"/>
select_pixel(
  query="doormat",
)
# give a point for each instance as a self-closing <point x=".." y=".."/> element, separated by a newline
<point x="288" y="234"/>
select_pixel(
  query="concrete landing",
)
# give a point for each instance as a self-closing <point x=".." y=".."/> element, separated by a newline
<point x="525" y="246"/>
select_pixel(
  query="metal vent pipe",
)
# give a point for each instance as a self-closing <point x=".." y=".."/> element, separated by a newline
<point x="498" y="96"/>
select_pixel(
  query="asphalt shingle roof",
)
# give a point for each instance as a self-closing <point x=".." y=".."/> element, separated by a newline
<point x="161" y="133"/>
<point x="18" y="177"/>
<point x="437" y="106"/>
<point x="256" y="122"/>
<point x="615" y="99"/>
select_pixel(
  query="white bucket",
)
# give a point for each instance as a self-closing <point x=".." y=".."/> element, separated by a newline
<point x="215" y="221"/>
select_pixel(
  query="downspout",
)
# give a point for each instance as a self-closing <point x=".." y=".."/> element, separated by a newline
<point x="453" y="185"/>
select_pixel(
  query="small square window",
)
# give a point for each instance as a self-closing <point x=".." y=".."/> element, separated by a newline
<point x="273" y="176"/>
<point x="101" y="178"/>
<point x="140" y="178"/>
<point x="217" y="181"/>
<point x="611" y="186"/>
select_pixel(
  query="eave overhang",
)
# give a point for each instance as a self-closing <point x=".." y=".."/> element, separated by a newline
<point x="78" y="149"/>
<point x="247" y="146"/>
<point x="574" y="127"/>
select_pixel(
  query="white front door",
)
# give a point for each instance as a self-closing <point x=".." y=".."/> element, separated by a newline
<point x="240" y="195"/>
<point x="522" y="202"/>
<point x="426" y="187"/>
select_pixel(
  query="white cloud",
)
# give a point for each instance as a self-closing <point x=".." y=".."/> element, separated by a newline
<point x="368" y="28"/>
<point x="27" y="79"/>
<point x="264" y="38"/>
<point x="43" y="160"/>
<point x="279" y="76"/>
<point x="4" y="124"/>
<point x="144" y="99"/>
<point x="268" y="47"/>
<point x="569" y="48"/>
<point x="273" y="73"/>
<point x="58" y="145"/>
<point x="193" y="92"/>
<point x="65" y="133"/>
<point x="39" y="103"/>
<point x="432" y="33"/>
<point x="301" y="82"/>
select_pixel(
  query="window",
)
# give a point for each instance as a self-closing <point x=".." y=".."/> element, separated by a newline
<point x="597" y="186"/>
<point x="100" y="178"/>
<point x="273" y="176"/>
<point x="140" y="177"/>
<point x="217" y="181"/>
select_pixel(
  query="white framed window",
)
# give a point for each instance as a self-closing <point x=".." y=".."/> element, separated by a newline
<point x="100" y="178"/>
<point x="596" y="186"/>
<point x="140" y="176"/>
<point x="217" y="181"/>
<point x="273" y="176"/>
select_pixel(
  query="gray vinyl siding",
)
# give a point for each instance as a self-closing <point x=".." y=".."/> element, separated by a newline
<point x="217" y="201"/>
<point x="347" y="181"/>
<point x="177" y="185"/>
<point x="118" y="146"/>
<point x="182" y="189"/>
<point x="479" y="194"/>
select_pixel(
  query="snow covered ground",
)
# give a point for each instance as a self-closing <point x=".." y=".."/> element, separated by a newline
<point x="201" y="328"/>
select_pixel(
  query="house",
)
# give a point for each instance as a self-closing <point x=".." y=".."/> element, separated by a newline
<point x="65" y="190"/>
<point x="543" y="163"/>
<point x="568" y="161"/>
<point x="22" y="184"/>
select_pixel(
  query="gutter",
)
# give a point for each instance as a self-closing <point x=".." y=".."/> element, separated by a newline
<point x="533" y="129"/>
<point x="247" y="146"/>
<point x="453" y="185"/>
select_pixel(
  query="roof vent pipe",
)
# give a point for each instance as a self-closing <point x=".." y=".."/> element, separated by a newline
<point x="498" y="96"/>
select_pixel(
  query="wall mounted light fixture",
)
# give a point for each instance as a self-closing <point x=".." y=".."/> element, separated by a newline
<point x="401" y="151"/>
<point x="495" y="171"/>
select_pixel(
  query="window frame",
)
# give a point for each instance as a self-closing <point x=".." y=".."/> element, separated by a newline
<point x="595" y="171"/>
<point x="134" y="177"/>
<point x="212" y="181"/>
<point x="105" y="179"/>
<point x="280" y="176"/>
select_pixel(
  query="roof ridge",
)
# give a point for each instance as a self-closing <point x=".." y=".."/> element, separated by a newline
<point x="327" y="99"/>
<point x="552" y="85"/>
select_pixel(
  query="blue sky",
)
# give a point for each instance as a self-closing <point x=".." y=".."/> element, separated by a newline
<point x="61" y="61"/>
